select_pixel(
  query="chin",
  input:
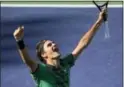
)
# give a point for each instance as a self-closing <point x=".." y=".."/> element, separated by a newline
<point x="56" y="55"/>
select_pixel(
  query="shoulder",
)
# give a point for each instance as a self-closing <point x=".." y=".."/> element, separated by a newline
<point x="41" y="67"/>
<point x="67" y="60"/>
<point x="69" y="55"/>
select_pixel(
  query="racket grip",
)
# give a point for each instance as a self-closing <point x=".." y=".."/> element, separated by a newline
<point x="105" y="16"/>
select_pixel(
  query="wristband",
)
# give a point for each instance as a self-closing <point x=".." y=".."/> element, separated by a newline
<point x="20" y="44"/>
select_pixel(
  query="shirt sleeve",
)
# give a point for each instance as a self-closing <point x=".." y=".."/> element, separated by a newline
<point x="68" y="60"/>
<point x="39" y="72"/>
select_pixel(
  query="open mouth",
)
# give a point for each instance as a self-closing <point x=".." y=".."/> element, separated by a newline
<point x="55" y="49"/>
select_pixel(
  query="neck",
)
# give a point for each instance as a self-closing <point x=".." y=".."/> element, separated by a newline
<point x="54" y="62"/>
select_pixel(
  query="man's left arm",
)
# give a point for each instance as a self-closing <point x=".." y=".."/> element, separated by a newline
<point x="86" y="39"/>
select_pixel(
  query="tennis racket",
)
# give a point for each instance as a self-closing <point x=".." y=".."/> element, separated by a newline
<point x="100" y="5"/>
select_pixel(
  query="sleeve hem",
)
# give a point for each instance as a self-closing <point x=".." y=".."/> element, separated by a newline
<point x="35" y="70"/>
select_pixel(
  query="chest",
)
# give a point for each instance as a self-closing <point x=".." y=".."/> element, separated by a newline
<point x="58" y="77"/>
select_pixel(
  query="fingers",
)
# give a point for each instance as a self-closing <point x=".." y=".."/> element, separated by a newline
<point x="19" y="32"/>
<point x="20" y="28"/>
<point x="103" y="14"/>
<point x="104" y="10"/>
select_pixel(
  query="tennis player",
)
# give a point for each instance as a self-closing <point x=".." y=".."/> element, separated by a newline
<point x="53" y="71"/>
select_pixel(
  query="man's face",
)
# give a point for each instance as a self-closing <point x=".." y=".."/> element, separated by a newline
<point x="51" y="50"/>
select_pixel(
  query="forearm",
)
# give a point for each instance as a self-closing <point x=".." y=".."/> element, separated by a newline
<point x="25" y="56"/>
<point x="86" y="39"/>
<point x="24" y="53"/>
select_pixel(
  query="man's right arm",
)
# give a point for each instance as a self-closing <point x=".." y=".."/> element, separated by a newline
<point x="27" y="60"/>
<point x="18" y="34"/>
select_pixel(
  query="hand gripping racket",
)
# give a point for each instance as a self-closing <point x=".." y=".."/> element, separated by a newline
<point x="100" y="5"/>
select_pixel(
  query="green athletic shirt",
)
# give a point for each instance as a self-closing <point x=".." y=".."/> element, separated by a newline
<point x="49" y="76"/>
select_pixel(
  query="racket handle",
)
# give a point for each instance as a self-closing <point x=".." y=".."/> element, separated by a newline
<point x="105" y="16"/>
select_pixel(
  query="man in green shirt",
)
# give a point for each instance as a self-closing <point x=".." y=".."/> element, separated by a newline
<point x="53" y="71"/>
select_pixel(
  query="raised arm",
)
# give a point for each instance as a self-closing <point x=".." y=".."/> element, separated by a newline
<point x="86" y="39"/>
<point x="18" y="35"/>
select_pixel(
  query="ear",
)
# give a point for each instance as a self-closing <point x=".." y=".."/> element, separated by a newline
<point x="44" y="55"/>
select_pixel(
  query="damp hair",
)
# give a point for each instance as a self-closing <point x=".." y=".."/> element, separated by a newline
<point x="40" y="50"/>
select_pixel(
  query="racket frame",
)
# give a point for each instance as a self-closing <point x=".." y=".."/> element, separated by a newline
<point x="100" y="8"/>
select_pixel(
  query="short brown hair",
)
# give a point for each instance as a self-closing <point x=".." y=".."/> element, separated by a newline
<point x="40" y="50"/>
